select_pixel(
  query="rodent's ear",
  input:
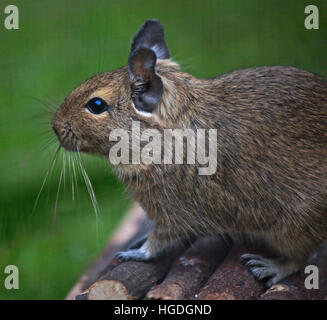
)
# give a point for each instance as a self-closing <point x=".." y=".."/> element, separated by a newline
<point x="146" y="85"/>
<point x="151" y="36"/>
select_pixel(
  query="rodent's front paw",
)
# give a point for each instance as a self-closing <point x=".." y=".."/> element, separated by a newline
<point x="134" y="254"/>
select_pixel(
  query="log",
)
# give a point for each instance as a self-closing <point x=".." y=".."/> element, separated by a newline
<point x="206" y="270"/>
<point x="108" y="290"/>
<point x="232" y="281"/>
<point x="191" y="270"/>
<point x="293" y="287"/>
<point x="129" y="280"/>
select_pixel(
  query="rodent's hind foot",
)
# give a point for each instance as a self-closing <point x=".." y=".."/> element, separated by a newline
<point x="273" y="269"/>
<point x="134" y="255"/>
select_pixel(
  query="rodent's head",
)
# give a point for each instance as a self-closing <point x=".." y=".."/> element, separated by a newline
<point x="111" y="100"/>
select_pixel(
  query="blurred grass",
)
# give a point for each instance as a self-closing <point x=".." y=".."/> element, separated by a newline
<point x="62" y="43"/>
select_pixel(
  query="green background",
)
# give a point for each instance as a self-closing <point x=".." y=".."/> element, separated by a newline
<point x="59" y="45"/>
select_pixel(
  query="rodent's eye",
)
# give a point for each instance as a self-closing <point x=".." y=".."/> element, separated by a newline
<point x="97" y="105"/>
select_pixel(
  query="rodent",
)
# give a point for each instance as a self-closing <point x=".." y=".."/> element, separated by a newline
<point x="270" y="185"/>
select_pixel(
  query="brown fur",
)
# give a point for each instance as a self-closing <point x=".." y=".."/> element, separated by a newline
<point x="271" y="179"/>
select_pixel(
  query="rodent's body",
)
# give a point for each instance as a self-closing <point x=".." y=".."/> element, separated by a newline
<point x="271" y="178"/>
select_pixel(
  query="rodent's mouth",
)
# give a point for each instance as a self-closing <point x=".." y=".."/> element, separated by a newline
<point x="67" y="137"/>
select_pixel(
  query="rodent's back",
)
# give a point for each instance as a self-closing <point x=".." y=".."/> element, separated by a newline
<point x="274" y="118"/>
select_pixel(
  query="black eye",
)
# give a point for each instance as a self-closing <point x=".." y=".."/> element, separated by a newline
<point x="97" y="105"/>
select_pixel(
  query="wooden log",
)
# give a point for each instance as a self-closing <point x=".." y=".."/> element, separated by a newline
<point x="129" y="280"/>
<point x="108" y="290"/>
<point x="232" y="281"/>
<point x="109" y="278"/>
<point x="134" y="224"/>
<point x="293" y="287"/>
<point x="191" y="270"/>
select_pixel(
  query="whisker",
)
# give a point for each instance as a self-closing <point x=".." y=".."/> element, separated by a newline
<point x="53" y="162"/>
<point x="74" y="160"/>
<point x="57" y="197"/>
<point x="70" y="174"/>
<point x="91" y="193"/>
<point x="50" y="105"/>
<point x="50" y="141"/>
<point x="89" y="186"/>
<point x="64" y="168"/>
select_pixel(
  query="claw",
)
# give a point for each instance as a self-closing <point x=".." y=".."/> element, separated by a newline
<point x="256" y="263"/>
<point x="273" y="269"/>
